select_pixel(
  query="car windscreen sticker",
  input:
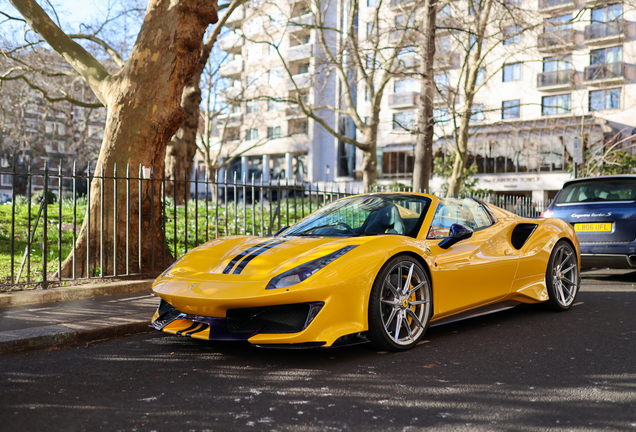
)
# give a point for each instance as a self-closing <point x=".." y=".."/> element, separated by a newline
<point x="242" y="255"/>
<point x="239" y="268"/>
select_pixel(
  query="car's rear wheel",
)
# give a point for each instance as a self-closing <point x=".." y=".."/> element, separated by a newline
<point x="400" y="305"/>
<point x="562" y="277"/>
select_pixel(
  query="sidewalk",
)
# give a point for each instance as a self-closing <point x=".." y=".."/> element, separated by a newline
<point x="62" y="316"/>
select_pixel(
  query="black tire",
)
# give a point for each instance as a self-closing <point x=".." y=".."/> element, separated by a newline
<point x="389" y="302"/>
<point x="562" y="277"/>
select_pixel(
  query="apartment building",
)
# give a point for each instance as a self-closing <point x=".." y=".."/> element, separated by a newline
<point x="565" y="71"/>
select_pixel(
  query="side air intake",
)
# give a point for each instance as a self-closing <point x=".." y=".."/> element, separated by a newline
<point x="521" y="234"/>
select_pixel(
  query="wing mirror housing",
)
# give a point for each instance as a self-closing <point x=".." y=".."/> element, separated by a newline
<point x="457" y="233"/>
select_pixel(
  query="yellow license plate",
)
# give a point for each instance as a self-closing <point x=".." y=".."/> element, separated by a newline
<point x="593" y="227"/>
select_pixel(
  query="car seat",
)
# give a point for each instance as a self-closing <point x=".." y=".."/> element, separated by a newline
<point x="386" y="220"/>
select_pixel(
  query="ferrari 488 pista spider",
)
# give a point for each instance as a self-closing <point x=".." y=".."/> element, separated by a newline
<point x="376" y="267"/>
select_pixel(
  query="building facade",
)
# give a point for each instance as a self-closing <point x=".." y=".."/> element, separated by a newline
<point x="558" y="72"/>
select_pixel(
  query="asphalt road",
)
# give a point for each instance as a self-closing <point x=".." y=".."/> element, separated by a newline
<point x="525" y="369"/>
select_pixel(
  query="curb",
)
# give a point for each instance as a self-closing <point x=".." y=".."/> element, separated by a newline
<point x="21" y="298"/>
<point x="72" y="333"/>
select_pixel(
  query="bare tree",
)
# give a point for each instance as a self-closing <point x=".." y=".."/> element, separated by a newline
<point x="143" y="99"/>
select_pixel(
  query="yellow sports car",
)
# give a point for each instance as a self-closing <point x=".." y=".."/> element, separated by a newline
<point x="375" y="267"/>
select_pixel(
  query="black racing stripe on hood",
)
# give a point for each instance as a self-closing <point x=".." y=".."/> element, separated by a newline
<point x="239" y="268"/>
<point x="243" y="254"/>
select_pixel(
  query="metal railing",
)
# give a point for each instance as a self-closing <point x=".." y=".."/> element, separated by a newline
<point x="545" y="4"/>
<point x="556" y="78"/>
<point x="47" y="213"/>
<point x="604" y="30"/>
<point x="604" y="71"/>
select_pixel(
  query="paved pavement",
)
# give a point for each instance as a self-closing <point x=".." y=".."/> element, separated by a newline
<point x="61" y="316"/>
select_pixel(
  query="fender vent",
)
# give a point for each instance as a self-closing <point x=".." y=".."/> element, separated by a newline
<point x="521" y="233"/>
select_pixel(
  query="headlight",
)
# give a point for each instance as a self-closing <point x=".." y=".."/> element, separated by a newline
<point x="166" y="271"/>
<point x="302" y="272"/>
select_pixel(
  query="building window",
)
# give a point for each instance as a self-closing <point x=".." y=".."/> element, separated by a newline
<point x="510" y="109"/>
<point x="277" y="19"/>
<point x="252" y="134"/>
<point x="404" y="85"/>
<point x="477" y="113"/>
<point x="441" y="115"/>
<point x="273" y="132"/>
<point x="605" y="99"/>
<point x="254" y="78"/>
<point x="299" y="127"/>
<point x="253" y="106"/>
<point x="442" y="81"/>
<point x="481" y="76"/>
<point x="607" y="14"/>
<point x="303" y="68"/>
<point x="372" y="2"/>
<point x="6" y="180"/>
<point x="274" y="105"/>
<point x="557" y="104"/>
<point x="513" y="34"/>
<point x="403" y="120"/>
<point x="512" y="72"/>
<point x="275" y="76"/>
<point x="606" y="56"/>
<point x="397" y="164"/>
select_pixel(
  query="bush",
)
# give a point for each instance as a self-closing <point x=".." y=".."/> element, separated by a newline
<point x="38" y="197"/>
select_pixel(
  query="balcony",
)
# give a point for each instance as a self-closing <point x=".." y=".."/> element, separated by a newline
<point x="444" y="94"/>
<point x="605" y="33"/>
<point x="231" y="92"/>
<point x="231" y="120"/>
<point x="237" y="17"/>
<point x="294" y="112"/>
<point x="552" y="6"/>
<point x="299" y="52"/>
<point x="408" y="62"/>
<point x="301" y="80"/>
<point x="300" y="22"/>
<point x="235" y="67"/>
<point x="403" y="99"/>
<point x="231" y="42"/>
<point x="607" y="73"/>
<point x="446" y="60"/>
<point x="556" y="80"/>
<point x="557" y="40"/>
<point x="398" y="4"/>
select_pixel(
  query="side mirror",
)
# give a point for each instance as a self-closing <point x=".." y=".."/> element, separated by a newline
<point x="457" y="233"/>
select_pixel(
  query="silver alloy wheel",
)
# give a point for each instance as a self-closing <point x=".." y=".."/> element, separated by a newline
<point x="405" y="302"/>
<point x="565" y="276"/>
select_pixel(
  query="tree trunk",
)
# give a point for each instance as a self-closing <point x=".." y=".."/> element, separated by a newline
<point x="144" y="111"/>
<point x="182" y="147"/>
<point x="425" y="122"/>
<point x="370" y="158"/>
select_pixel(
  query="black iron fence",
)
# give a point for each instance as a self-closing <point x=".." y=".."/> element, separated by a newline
<point x="140" y="223"/>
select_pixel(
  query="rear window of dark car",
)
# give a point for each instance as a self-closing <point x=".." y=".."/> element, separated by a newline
<point x="619" y="189"/>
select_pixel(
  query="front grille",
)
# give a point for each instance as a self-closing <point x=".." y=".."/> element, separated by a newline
<point x="290" y="318"/>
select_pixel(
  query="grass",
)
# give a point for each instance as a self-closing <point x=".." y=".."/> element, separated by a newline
<point x="205" y="220"/>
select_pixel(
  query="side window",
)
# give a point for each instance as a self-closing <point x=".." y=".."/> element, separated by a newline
<point x="465" y="212"/>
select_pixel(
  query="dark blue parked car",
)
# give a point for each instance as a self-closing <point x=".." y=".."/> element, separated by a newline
<point x="603" y="213"/>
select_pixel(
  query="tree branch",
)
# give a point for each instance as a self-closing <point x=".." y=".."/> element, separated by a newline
<point x="111" y="52"/>
<point x="93" y="72"/>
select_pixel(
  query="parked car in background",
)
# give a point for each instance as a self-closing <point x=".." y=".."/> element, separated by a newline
<point x="603" y="213"/>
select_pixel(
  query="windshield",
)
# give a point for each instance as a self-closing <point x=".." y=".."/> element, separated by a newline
<point x="365" y="215"/>
<point x="602" y="190"/>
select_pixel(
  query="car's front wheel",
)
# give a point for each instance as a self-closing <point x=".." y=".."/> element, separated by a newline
<point x="400" y="305"/>
<point x="562" y="277"/>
